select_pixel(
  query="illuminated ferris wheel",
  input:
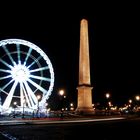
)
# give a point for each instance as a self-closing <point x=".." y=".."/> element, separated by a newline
<point x="25" y="72"/>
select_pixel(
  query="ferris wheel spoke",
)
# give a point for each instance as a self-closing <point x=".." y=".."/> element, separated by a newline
<point x="31" y="95"/>
<point x="4" y="70"/>
<point x="5" y="77"/>
<point x="3" y="91"/>
<point x="40" y="69"/>
<point x="40" y="78"/>
<point x="21" y="95"/>
<point x="7" y="84"/>
<point x="25" y="95"/>
<point x="9" y="55"/>
<point x="6" y="64"/>
<point x="27" y="56"/>
<point x="34" y="61"/>
<point x="37" y="86"/>
<point x="8" y="99"/>
<point x="18" y="53"/>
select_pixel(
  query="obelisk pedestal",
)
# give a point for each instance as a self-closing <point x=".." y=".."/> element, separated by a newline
<point x="84" y="105"/>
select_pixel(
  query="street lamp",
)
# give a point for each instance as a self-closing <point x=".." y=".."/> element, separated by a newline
<point x="130" y="101"/>
<point x="107" y="95"/>
<point x="130" y="105"/>
<point x="15" y="103"/>
<point x="38" y="98"/>
<point x="138" y="99"/>
<point x="108" y="103"/>
<point x="71" y="106"/>
<point x="23" y="114"/>
<point x="61" y="93"/>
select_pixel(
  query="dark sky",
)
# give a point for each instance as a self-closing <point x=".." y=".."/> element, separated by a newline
<point x="113" y="42"/>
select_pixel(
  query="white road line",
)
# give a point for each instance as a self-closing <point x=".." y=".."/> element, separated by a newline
<point x="8" y="136"/>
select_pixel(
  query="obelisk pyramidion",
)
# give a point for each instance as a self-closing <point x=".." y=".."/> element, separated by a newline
<point x="84" y="105"/>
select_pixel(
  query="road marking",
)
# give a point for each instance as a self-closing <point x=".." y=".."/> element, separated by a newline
<point x="10" y="137"/>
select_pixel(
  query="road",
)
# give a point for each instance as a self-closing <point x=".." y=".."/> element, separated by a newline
<point x="98" y="129"/>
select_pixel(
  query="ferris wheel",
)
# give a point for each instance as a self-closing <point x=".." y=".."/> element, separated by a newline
<point x="25" y="72"/>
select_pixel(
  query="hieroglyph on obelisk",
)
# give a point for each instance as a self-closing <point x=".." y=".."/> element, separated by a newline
<point x="84" y="104"/>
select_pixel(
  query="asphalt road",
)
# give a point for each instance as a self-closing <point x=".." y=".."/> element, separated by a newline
<point x="123" y="129"/>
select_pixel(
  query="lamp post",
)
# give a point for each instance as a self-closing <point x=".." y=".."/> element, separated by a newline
<point x="108" y="103"/>
<point x="15" y="103"/>
<point x="137" y="99"/>
<point x="38" y="98"/>
<point x="130" y="105"/>
<point x="23" y="114"/>
<point x="71" y="106"/>
<point x="61" y="93"/>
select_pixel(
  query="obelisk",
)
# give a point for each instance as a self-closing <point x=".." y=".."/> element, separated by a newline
<point x="84" y="105"/>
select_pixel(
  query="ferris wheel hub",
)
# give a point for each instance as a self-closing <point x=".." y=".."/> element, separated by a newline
<point x="20" y="73"/>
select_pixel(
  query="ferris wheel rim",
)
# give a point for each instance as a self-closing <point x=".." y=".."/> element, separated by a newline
<point x="44" y="56"/>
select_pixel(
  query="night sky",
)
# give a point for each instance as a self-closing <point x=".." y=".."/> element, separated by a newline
<point x="113" y="43"/>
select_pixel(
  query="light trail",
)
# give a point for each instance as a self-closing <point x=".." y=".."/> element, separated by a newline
<point x="16" y="122"/>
